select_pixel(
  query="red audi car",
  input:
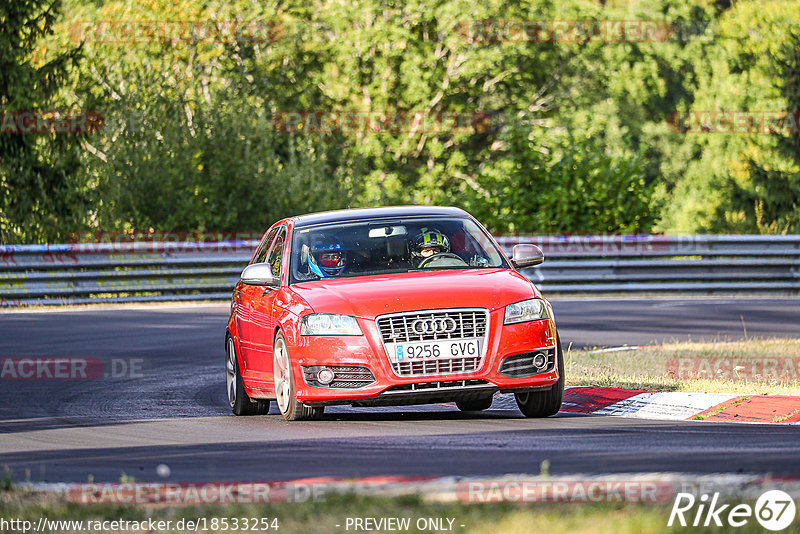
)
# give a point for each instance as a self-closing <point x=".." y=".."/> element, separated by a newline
<point x="389" y="306"/>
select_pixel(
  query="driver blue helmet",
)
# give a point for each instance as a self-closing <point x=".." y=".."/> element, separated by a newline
<point x="326" y="256"/>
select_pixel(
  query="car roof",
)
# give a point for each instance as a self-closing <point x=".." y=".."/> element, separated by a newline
<point x="362" y="214"/>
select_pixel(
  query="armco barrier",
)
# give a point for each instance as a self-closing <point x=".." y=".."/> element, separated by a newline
<point x="686" y="264"/>
<point x="161" y="271"/>
<point x="120" y="272"/>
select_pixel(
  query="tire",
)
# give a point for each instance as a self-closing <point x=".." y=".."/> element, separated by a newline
<point x="238" y="400"/>
<point x="290" y="408"/>
<point x="548" y="402"/>
<point x="475" y="405"/>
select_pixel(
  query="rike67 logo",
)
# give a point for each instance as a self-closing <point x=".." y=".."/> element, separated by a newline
<point x="774" y="510"/>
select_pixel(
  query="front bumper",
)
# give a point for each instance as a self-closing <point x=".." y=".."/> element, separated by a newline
<point x="390" y="389"/>
<point x="431" y="392"/>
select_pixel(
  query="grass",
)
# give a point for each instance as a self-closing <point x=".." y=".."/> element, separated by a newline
<point x="648" y="368"/>
<point x="323" y="516"/>
<point x="6" y="481"/>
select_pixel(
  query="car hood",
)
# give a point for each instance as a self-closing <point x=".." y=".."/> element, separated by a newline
<point x="370" y="296"/>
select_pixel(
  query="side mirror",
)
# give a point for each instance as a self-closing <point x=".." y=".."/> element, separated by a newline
<point x="259" y="274"/>
<point x="526" y="256"/>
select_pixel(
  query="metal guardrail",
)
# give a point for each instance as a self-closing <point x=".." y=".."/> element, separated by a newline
<point x="120" y="272"/>
<point x="162" y="271"/>
<point x="701" y="264"/>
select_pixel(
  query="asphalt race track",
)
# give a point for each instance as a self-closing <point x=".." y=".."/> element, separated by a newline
<point x="172" y="409"/>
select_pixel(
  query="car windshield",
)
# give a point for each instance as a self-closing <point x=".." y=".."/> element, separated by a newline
<point x="391" y="246"/>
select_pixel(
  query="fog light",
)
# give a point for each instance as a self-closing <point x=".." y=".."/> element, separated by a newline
<point x="325" y="376"/>
<point x="539" y="360"/>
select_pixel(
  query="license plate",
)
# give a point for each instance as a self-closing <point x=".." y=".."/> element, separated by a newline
<point x="419" y="351"/>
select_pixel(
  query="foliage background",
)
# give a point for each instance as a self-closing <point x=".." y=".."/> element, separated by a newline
<point x="577" y="136"/>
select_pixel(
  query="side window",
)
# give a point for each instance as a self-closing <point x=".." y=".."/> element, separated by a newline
<point x="261" y="253"/>
<point x="275" y="256"/>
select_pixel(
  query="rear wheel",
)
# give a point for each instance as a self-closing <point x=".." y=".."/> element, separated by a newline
<point x="290" y="408"/>
<point x="238" y="400"/>
<point x="475" y="405"/>
<point x="547" y="402"/>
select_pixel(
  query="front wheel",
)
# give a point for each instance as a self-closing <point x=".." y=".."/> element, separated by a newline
<point x="548" y="402"/>
<point x="290" y="408"/>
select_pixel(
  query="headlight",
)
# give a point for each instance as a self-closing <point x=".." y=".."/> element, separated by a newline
<point x="527" y="310"/>
<point x="323" y="324"/>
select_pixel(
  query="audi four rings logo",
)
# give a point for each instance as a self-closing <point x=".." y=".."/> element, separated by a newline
<point x="446" y="325"/>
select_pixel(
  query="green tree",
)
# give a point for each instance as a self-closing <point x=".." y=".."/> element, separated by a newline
<point x="40" y="197"/>
<point x="190" y="143"/>
<point x="771" y="199"/>
<point x="174" y="159"/>
<point x="554" y="181"/>
<point x="718" y="182"/>
<point x="567" y="137"/>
